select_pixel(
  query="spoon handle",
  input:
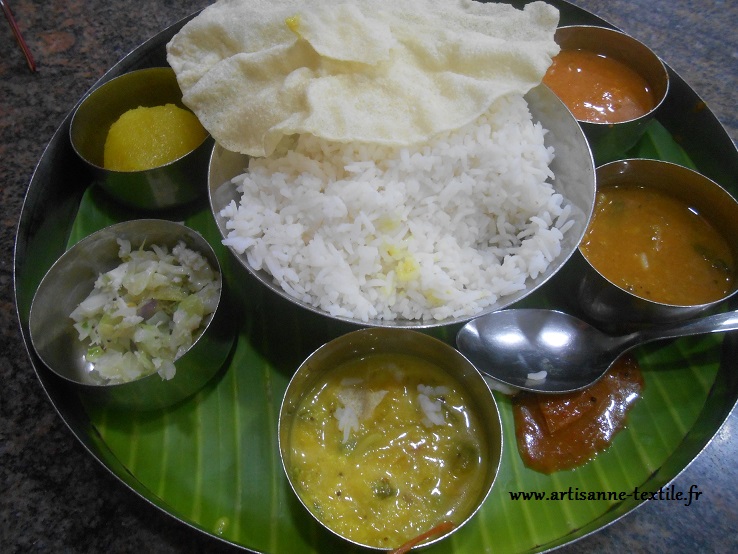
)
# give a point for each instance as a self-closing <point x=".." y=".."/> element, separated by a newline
<point x="717" y="323"/>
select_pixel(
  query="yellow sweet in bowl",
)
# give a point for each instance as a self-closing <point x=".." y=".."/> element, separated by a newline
<point x="147" y="137"/>
<point x="139" y="142"/>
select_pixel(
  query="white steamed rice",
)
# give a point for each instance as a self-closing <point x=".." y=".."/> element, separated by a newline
<point x="432" y="232"/>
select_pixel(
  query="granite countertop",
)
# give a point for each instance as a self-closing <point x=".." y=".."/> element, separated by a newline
<point x="55" y="497"/>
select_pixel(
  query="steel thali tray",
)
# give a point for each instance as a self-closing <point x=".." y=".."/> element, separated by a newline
<point x="213" y="463"/>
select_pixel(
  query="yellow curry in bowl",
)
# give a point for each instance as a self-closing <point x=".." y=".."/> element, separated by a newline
<point x="387" y="446"/>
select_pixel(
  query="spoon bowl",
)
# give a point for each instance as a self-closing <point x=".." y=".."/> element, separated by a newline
<point x="548" y="351"/>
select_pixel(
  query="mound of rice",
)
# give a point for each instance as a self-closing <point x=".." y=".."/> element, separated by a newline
<point x="437" y="231"/>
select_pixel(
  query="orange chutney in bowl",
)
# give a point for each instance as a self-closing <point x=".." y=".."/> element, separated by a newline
<point x="598" y="88"/>
<point x="658" y="247"/>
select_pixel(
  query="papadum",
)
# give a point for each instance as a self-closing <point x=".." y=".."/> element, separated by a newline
<point x="392" y="72"/>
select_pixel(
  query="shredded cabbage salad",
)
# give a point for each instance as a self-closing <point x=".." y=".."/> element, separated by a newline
<point x="144" y="314"/>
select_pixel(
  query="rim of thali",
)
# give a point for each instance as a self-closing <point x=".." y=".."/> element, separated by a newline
<point x="76" y="418"/>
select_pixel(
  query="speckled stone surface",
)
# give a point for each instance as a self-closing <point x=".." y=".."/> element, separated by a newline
<point x="54" y="497"/>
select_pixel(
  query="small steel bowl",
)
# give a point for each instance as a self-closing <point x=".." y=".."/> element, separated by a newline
<point x="615" y="308"/>
<point x="572" y="166"/>
<point x="364" y="342"/>
<point x="610" y="141"/>
<point x="174" y="184"/>
<point x="71" y="279"/>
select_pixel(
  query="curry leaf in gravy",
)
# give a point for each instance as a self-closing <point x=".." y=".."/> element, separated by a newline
<point x="715" y="261"/>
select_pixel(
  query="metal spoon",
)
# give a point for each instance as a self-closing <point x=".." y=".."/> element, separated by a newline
<point x="517" y="346"/>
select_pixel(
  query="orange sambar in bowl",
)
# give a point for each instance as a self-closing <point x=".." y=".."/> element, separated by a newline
<point x="657" y="247"/>
<point x="598" y="88"/>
